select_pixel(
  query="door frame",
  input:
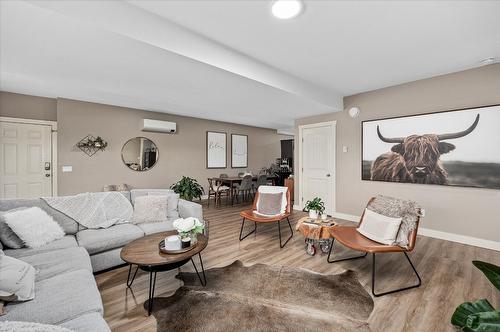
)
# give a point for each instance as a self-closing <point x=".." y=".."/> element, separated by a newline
<point x="53" y="139"/>
<point x="333" y="125"/>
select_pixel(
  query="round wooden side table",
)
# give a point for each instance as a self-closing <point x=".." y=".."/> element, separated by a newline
<point x="316" y="233"/>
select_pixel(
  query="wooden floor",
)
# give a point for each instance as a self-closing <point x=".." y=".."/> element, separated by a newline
<point x="448" y="276"/>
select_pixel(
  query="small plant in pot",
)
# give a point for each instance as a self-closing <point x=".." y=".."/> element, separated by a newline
<point x="188" y="188"/>
<point x="480" y="316"/>
<point x="315" y="207"/>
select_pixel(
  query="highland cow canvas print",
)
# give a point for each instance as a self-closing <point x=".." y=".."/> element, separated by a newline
<point x="454" y="148"/>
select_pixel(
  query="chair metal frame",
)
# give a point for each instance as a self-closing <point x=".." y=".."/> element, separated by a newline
<point x="337" y="233"/>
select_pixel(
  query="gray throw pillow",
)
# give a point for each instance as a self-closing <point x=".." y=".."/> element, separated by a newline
<point x="269" y="204"/>
<point x="7" y="236"/>
<point x="17" y="279"/>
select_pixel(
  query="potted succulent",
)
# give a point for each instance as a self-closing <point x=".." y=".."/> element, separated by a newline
<point x="188" y="188"/>
<point x="188" y="230"/>
<point x="315" y="208"/>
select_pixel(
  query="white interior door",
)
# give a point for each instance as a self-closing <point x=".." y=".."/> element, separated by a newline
<point x="25" y="160"/>
<point x="318" y="164"/>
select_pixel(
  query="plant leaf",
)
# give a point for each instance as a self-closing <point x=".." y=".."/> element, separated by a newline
<point x="488" y="321"/>
<point x="463" y="311"/>
<point x="491" y="271"/>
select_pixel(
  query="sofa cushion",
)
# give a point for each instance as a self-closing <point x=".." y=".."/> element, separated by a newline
<point x="156" y="227"/>
<point x="68" y="241"/>
<point x="106" y="259"/>
<point x="58" y="299"/>
<point x="134" y="193"/>
<point x="17" y="278"/>
<point x="91" y="322"/>
<point x="55" y="262"/>
<point x="69" y="225"/>
<point x="98" y="240"/>
<point x="172" y="203"/>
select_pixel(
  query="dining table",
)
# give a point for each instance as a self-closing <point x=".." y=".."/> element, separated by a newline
<point x="230" y="180"/>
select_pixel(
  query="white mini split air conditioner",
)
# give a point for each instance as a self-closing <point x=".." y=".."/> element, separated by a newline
<point x="158" y="126"/>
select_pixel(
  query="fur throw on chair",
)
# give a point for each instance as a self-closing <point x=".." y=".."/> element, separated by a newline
<point x="398" y="208"/>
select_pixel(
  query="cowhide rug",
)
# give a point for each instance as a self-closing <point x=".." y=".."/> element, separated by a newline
<point x="265" y="298"/>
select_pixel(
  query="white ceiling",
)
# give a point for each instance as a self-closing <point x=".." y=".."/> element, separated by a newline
<point x="350" y="46"/>
<point x="232" y="61"/>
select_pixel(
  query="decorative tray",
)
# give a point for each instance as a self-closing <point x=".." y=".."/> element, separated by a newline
<point x="320" y="222"/>
<point x="178" y="250"/>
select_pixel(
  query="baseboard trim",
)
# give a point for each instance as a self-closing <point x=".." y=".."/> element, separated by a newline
<point x="463" y="239"/>
<point x="346" y="216"/>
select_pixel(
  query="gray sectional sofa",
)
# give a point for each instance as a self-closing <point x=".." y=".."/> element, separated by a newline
<point x="66" y="293"/>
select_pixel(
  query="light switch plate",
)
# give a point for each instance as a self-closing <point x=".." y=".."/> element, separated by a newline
<point x="345" y="149"/>
<point x="67" y="169"/>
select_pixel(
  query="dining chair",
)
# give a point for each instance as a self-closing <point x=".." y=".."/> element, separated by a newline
<point x="244" y="188"/>
<point x="261" y="181"/>
<point x="283" y="211"/>
<point x="217" y="190"/>
<point x="351" y="238"/>
<point x="223" y="175"/>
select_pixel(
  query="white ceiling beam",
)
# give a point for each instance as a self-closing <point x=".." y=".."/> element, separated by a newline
<point x="133" y="22"/>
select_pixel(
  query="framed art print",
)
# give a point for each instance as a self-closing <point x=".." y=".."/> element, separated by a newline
<point x="452" y="148"/>
<point x="216" y="149"/>
<point x="239" y="151"/>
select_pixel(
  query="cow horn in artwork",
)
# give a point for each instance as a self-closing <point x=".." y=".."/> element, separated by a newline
<point x="389" y="140"/>
<point x="460" y="133"/>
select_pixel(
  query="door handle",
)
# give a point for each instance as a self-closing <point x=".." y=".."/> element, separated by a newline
<point x="328" y="175"/>
<point x="47" y="166"/>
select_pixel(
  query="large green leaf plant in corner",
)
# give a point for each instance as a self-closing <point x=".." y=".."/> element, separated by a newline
<point x="480" y="316"/>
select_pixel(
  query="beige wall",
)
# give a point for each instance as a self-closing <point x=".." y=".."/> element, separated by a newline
<point x="182" y="153"/>
<point x="465" y="211"/>
<point x="17" y="105"/>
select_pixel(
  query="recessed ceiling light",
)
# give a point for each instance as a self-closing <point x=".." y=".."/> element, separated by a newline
<point x="286" y="9"/>
<point x="487" y="61"/>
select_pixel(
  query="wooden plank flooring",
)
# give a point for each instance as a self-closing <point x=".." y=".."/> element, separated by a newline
<point x="448" y="276"/>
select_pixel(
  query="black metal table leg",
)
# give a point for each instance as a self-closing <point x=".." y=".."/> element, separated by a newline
<point x="341" y="259"/>
<point x="204" y="281"/>
<point x="129" y="282"/>
<point x="152" y="284"/>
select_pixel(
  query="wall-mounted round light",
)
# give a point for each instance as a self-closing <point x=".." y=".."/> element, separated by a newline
<point x="286" y="9"/>
<point x="354" y="112"/>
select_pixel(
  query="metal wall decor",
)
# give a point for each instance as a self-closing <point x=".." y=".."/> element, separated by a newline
<point x="90" y="144"/>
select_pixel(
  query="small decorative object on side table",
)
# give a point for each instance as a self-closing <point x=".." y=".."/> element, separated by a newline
<point x="316" y="232"/>
<point x="188" y="229"/>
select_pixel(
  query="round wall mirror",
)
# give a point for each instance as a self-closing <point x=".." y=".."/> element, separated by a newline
<point x="140" y="154"/>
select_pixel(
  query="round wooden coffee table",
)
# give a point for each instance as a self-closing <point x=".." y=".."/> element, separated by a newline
<point x="145" y="253"/>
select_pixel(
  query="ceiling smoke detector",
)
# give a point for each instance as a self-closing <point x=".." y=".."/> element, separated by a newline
<point x="487" y="61"/>
<point x="287" y="9"/>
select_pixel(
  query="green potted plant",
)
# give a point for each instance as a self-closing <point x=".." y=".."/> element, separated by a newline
<point x="480" y="315"/>
<point x="188" y="188"/>
<point x="316" y="207"/>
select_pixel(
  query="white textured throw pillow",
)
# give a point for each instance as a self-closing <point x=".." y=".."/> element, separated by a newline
<point x="17" y="278"/>
<point x="33" y="226"/>
<point x="150" y="209"/>
<point x="379" y="228"/>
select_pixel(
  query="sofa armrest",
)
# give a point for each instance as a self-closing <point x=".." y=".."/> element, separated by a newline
<point x="190" y="209"/>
